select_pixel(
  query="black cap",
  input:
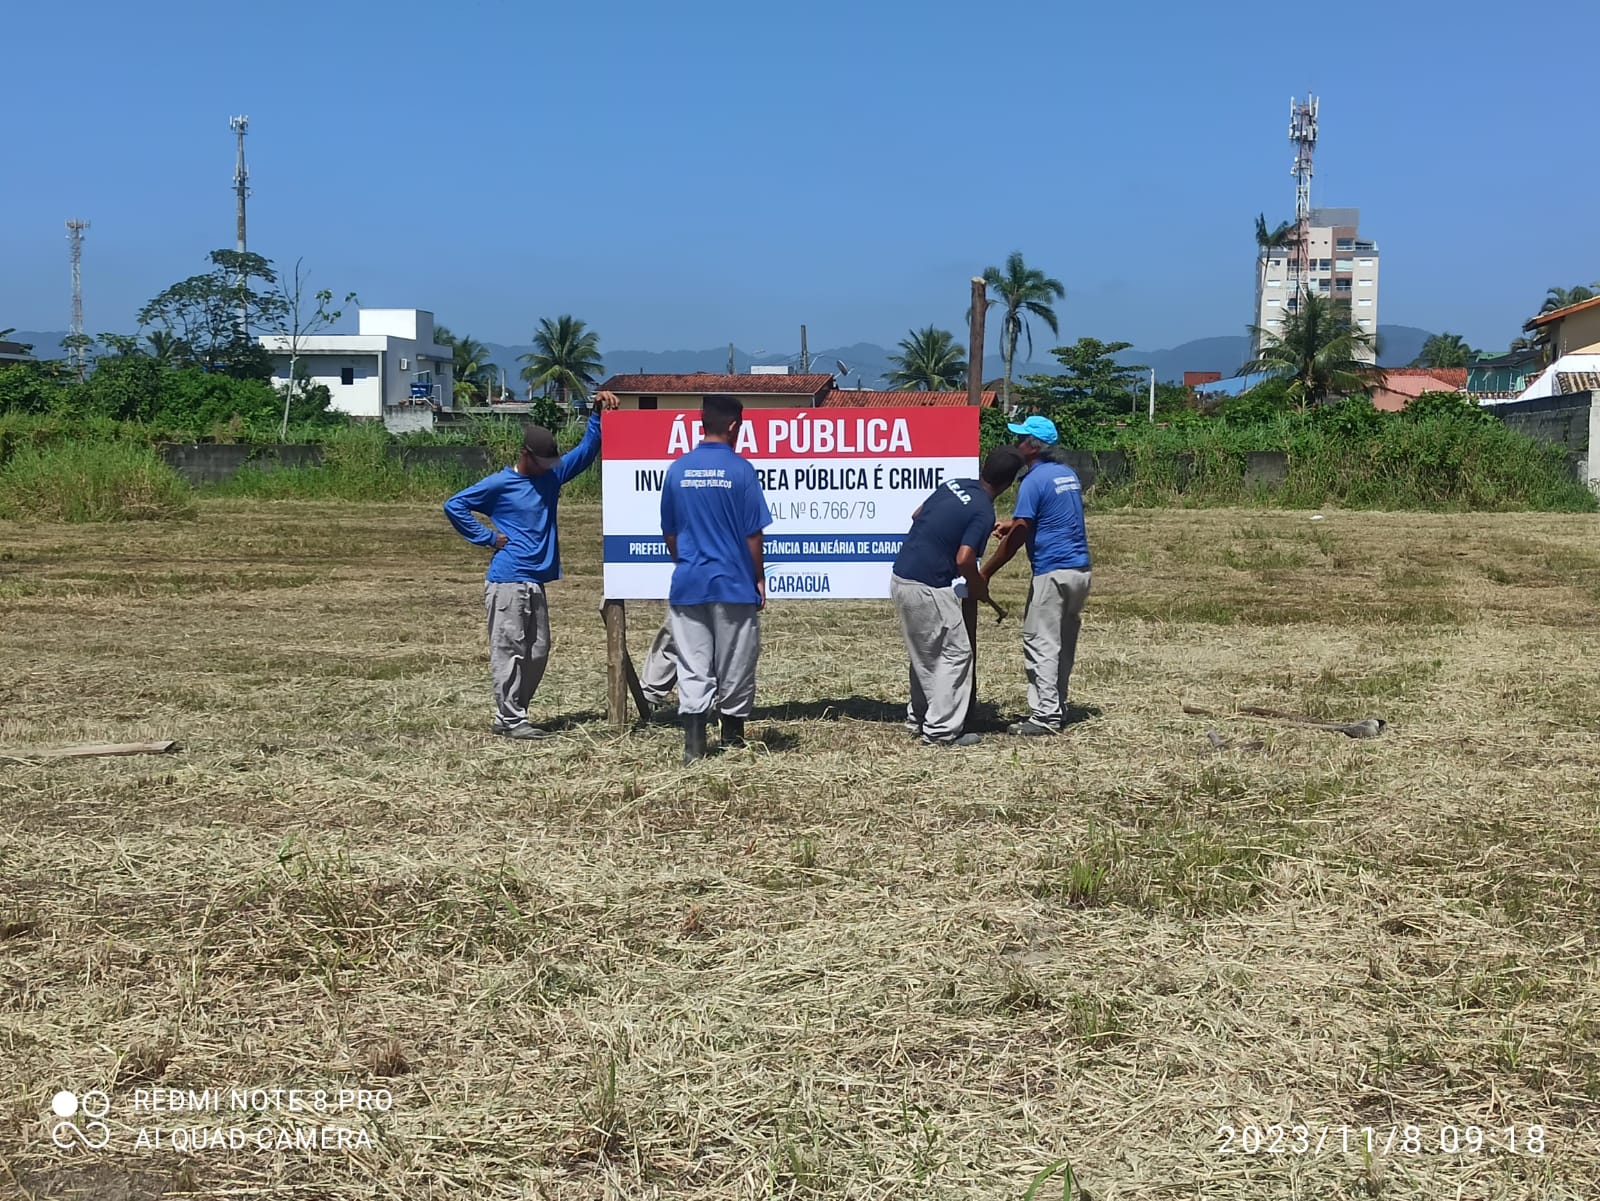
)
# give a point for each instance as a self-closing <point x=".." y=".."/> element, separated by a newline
<point x="540" y="444"/>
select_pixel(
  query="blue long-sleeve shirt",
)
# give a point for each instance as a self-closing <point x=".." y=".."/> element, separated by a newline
<point x="523" y="508"/>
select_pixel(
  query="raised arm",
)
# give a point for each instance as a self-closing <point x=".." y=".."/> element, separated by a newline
<point x="577" y="460"/>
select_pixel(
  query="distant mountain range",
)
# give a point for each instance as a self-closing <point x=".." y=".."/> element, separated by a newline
<point x="868" y="364"/>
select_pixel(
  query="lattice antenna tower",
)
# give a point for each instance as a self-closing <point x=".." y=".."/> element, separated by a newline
<point x="75" y="230"/>
<point x="1303" y="134"/>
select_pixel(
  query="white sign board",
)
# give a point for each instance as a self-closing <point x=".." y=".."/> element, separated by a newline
<point x="842" y="484"/>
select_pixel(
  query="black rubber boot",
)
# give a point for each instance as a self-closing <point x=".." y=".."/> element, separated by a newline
<point x="732" y="731"/>
<point x="694" y="737"/>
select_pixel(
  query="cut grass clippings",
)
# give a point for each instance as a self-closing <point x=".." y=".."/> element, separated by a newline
<point x="836" y="964"/>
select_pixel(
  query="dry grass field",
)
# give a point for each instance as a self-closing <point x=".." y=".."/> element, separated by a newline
<point x="837" y="964"/>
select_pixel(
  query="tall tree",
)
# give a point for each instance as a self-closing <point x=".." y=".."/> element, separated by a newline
<point x="930" y="360"/>
<point x="565" y="358"/>
<point x="1321" y="353"/>
<point x="1024" y="292"/>
<point x="211" y="313"/>
<point x="1092" y="385"/>
<point x="1446" y="350"/>
<point x="1560" y="298"/>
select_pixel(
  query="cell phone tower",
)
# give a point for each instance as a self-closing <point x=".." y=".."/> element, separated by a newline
<point x="241" y="176"/>
<point x="241" y="188"/>
<point x="75" y="230"/>
<point x="1303" y="133"/>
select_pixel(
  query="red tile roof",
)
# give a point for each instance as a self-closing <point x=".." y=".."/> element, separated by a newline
<point x="1456" y="377"/>
<point x="700" y="383"/>
<point x="861" y="398"/>
<point x="1558" y="314"/>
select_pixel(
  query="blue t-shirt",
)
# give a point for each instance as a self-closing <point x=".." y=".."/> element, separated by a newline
<point x="1052" y="499"/>
<point x="523" y="508"/>
<point x="958" y="514"/>
<point x="711" y="502"/>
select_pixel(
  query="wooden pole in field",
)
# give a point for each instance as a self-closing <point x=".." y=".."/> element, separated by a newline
<point x="616" y="617"/>
<point x="979" y="309"/>
<point x="980" y="305"/>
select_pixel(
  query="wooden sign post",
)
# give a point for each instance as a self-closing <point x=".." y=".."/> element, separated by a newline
<point x="621" y="678"/>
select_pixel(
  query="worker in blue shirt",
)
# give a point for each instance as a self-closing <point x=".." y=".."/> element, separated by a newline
<point x="526" y="555"/>
<point x="948" y="533"/>
<point x="713" y="515"/>
<point x="1048" y="518"/>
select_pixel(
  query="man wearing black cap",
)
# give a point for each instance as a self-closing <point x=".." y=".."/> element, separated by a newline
<point x="712" y="517"/>
<point x="948" y="533"/>
<point x="521" y="501"/>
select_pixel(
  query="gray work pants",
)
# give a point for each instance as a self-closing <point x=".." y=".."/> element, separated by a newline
<point x="519" y="647"/>
<point x="718" y="645"/>
<point x="941" y="657"/>
<point x="660" y="673"/>
<point x="1050" y="641"/>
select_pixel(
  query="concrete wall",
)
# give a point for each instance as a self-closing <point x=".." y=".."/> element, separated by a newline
<point x="1561" y="420"/>
<point x="1571" y="422"/>
<point x="1567" y="421"/>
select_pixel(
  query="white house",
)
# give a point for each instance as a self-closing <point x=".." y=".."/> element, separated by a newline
<point x="389" y="369"/>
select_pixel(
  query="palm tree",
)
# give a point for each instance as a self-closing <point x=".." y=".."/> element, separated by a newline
<point x="1274" y="239"/>
<point x="929" y="361"/>
<point x="471" y="364"/>
<point x="1025" y="291"/>
<point x="1321" y="352"/>
<point x="1446" y="350"/>
<point x="566" y="358"/>
<point x="1560" y="298"/>
<point x="167" y="348"/>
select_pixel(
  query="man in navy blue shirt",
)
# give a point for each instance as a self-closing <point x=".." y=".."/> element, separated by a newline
<point x="948" y="533"/>
<point x="713" y="515"/>
<point x="521" y="501"/>
<point x="1049" y="518"/>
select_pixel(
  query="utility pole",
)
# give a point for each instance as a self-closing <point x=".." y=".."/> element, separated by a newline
<point x="1152" y="394"/>
<point x="805" y="358"/>
<point x="75" y="230"/>
<point x="241" y="189"/>
<point x="980" y="305"/>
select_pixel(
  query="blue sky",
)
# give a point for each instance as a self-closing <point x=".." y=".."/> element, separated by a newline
<point x="691" y="174"/>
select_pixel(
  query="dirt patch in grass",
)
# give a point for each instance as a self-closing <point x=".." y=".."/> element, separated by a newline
<point x="834" y="964"/>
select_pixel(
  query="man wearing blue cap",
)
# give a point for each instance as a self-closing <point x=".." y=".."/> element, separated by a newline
<point x="1048" y="518"/>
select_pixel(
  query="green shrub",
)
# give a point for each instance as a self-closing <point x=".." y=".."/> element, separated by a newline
<point x="92" y="481"/>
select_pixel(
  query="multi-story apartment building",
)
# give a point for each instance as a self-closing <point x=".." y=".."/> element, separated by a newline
<point x="1339" y="264"/>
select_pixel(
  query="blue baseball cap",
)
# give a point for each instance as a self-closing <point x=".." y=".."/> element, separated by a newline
<point x="1038" y="427"/>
